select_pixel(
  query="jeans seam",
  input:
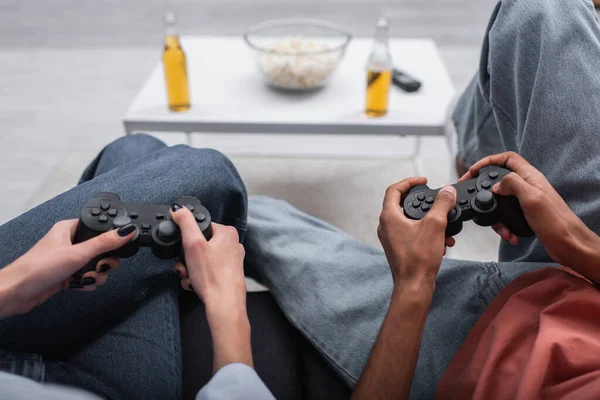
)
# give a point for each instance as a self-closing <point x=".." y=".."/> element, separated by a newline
<point x="473" y="146"/>
<point x="502" y="114"/>
<point x="489" y="283"/>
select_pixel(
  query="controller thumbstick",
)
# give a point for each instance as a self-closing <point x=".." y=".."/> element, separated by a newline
<point x="121" y="221"/>
<point x="167" y="231"/>
<point x="484" y="200"/>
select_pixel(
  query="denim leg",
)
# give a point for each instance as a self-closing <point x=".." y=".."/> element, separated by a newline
<point x="127" y="149"/>
<point x="537" y="93"/>
<point x="336" y="291"/>
<point x="140" y="298"/>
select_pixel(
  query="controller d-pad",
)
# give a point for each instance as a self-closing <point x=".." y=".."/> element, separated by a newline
<point x="416" y="204"/>
<point x="425" y="207"/>
<point x="133" y="215"/>
<point x="493" y="175"/>
<point x="112" y="212"/>
<point x="95" y="212"/>
<point x="463" y="203"/>
<point x="430" y="200"/>
<point x="103" y="218"/>
<point x="471" y="190"/>
<point x="420" y="197"/>
<point x="160" y="216"/>
<point x="146" y="227"/>
<point x="104" y="205"/>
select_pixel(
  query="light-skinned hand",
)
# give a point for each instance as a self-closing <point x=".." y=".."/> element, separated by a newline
<point x="48" y="267"/>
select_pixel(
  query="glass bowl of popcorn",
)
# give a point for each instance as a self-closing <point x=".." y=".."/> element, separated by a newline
<point x="297" y="54"/>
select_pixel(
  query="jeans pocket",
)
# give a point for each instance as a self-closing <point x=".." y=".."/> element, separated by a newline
<point x="27" y="365"/>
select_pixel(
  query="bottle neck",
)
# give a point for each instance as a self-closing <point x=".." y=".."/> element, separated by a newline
<point x="380" y="58"/>
<point x="171" y="30"/>
<point x="172" y="41"/>
<point x="381" y="37"/>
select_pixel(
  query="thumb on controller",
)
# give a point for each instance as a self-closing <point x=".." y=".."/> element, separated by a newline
<point x="444" y="202"/>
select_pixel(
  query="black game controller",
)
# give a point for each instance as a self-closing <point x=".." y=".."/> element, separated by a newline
<point x="106" y="211"/>
<point x="474" y="200"/>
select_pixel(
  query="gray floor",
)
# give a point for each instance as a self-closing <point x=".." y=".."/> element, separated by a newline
<point x="69" y="69"/>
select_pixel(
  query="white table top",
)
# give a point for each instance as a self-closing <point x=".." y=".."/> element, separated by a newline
<point x="229" y="95"/>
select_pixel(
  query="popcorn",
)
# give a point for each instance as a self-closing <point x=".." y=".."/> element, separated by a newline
<point x="295" y="70"/>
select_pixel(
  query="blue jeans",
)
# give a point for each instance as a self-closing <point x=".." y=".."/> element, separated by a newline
<point x="121" y="341"/>
<point x="537" y="92"/>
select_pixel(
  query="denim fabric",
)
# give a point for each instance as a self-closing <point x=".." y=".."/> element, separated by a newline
<point x="121" y="341"/>
<point x="537" y="93"/>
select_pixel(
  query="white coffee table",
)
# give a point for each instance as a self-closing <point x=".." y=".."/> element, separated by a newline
<point x="233" y="108"/>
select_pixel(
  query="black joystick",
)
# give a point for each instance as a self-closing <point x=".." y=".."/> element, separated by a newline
<point x="484" y="200"/>
<point x="474" y="200"/>
<point x="105" y="211"/>
<point x="167" y="231"/>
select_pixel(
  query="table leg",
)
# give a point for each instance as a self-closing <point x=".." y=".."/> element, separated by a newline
<point x="416" y="159"/>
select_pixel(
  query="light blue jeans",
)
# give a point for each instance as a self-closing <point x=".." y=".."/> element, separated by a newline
<point x="537" y="92"/>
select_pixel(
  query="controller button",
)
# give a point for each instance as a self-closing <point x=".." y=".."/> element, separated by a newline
<point x="102" y="218"/>
<point x="430" y="200"/>
<point x="189" y="207"/>
<point x="95" y="212"/>
<point x="416" y="204"/>
<point x="133" y="215"/>
<point x="167" y="231"/>
<point x="160" y="216"/>
<point x="463" y="202"/>
<point x="425" y="207"/>
<point x="486" y="185"/>
<point x="104" y="205"/>
<point x="121" y="221"/>
<point x="420" y="197"/>
<point x="484" y="200"/>
<point x="452" y="214"/>
<point x="471" y="190"/>
<point x="200" y="217"/>
<point x="112" y="212"/>
<point x="146" y="226"/>
<point x="493" y="175"/>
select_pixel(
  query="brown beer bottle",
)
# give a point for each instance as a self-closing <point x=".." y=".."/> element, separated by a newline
<point x="174" y="64"/>
<point x="379" y="72"/>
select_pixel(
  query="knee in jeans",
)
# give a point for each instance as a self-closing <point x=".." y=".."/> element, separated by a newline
<point x="131" y="144"/>
<point x="549" y="12"/>
<point x="201" y="160"/>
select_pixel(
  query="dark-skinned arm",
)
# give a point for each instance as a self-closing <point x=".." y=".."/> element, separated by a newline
<point x="390" y="368"/>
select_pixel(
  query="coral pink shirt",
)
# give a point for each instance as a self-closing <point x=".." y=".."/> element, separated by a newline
<point x="539" y="338"/>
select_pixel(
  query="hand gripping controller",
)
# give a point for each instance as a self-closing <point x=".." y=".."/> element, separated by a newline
<point x="105" y="211"/>
<point x="474" y="200"/>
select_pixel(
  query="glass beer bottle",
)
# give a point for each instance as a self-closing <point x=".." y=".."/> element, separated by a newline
<point x="379" y="72"/>
<point x="174" y="64"/>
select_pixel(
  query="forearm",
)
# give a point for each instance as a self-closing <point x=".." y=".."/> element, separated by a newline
<point x="12" y="278"/>
<point x="584" y="252"/>
<point x="390" y="369"/>
<point x="230" y="334"/>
